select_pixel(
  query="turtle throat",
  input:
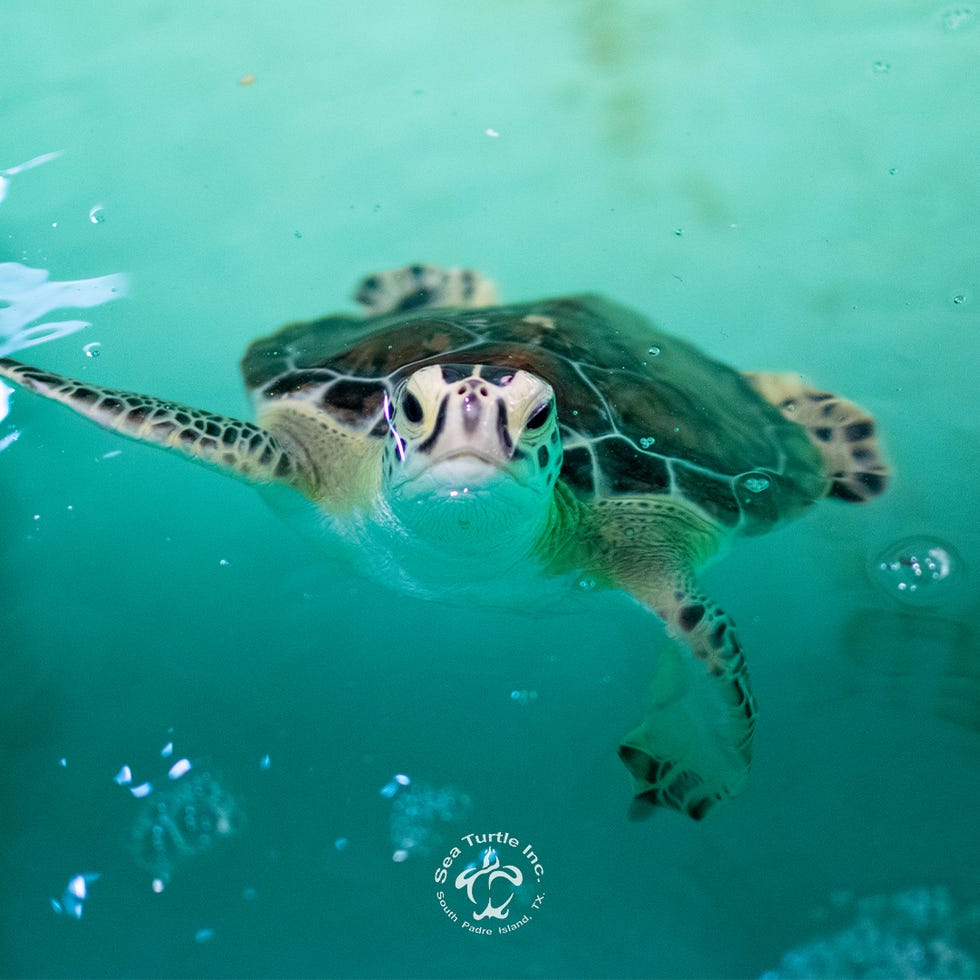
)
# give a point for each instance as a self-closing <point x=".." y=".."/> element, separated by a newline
<point x="471" y="459"/>
<point x="467" y="504"/>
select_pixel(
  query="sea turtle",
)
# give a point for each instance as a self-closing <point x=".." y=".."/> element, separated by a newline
<point x="460" y="446"/>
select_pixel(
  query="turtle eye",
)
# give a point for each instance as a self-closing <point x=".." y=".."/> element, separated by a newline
<point x="412" y="408"/>
<point x="539" y="417"/>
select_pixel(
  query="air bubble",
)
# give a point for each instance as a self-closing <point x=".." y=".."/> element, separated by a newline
<point x="74" y="896"/>
<point x="586" y="584"/>
<point x="11" y="437"/>
<point x="93" y="349"/>
<point x="755" y="482"/>
<point x="523" y="696"/>
<point x="959" y="299"/>
<point x="78" y="886"/>
<point x="181" y="821"/>
<point x="919" y="571"/>
<point x="419" y="815"/>
<point x="957" y="17"/>
<point x="97" y="214"/>
<point x="881" y="68"/>
<point x="913" y="933"/>
<point x="389" y="789"/>
<point x="646" y="442"/>
<point x="653" y="351"/>
<point x="180" y="768"/>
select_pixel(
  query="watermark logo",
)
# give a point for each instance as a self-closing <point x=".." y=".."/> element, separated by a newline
<point x="490" y="884"/>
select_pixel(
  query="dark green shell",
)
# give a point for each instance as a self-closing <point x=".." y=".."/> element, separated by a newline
<point x="641" y="412"/>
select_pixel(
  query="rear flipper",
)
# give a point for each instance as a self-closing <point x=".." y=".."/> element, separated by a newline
<point x="842" y="431"/>
<point x="694" y="747"/>
<point x="424" y="287"/>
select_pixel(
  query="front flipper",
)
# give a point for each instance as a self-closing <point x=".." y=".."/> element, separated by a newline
<point x="694" y="746"/>
<point x="240" y="448"/>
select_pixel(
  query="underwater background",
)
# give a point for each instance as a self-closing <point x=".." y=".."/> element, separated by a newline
<point x="787" y="185"/>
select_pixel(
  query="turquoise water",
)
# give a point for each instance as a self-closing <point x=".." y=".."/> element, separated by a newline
<point x="788" y="186"/>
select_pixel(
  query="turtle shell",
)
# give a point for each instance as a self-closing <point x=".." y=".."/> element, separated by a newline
<point x="641" y="412"/>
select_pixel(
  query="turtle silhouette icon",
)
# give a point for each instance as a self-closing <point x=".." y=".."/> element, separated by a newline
<point x="480" y="881"/>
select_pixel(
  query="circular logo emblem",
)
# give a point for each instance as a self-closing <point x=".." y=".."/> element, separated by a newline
<point x="490" y="884"/>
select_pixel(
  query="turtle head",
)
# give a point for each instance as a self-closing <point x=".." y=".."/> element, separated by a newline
<point x="473" y="450"/>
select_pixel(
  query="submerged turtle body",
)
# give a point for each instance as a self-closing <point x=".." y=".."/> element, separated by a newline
<point x="452" y="441"/>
